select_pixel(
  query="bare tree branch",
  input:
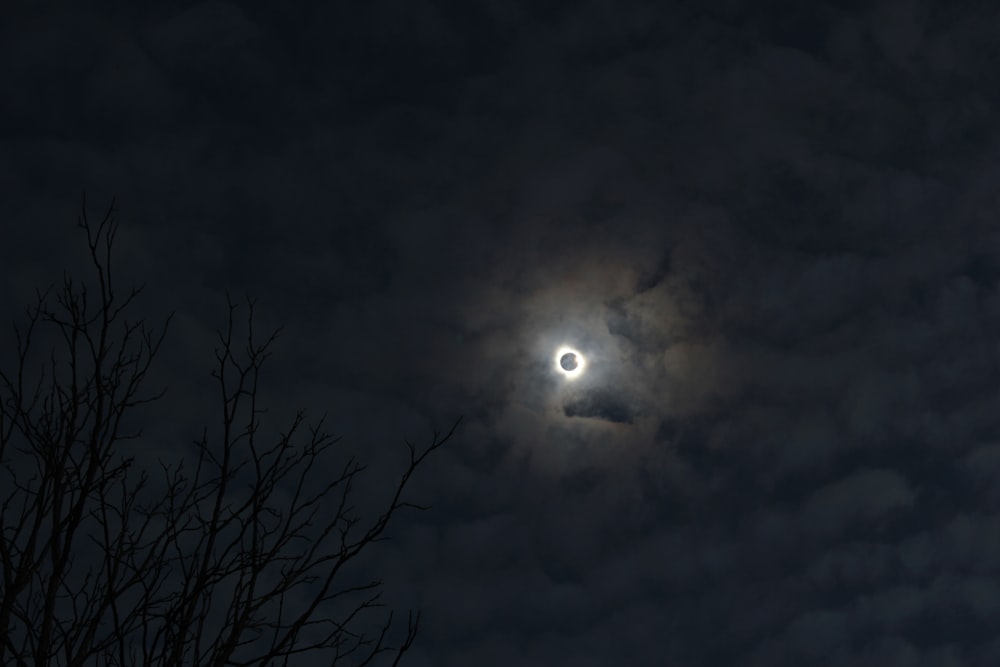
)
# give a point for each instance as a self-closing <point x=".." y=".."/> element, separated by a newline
<point x="236" y="555"/>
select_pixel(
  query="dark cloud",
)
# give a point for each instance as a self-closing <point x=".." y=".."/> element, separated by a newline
<point x="599" y="404"/>
<point x="769" y="228"/>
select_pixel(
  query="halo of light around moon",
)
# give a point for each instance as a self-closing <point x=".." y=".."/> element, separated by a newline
<point x="569" y="362"/>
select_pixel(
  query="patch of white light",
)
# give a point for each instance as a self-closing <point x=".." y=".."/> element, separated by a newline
<point x="581" y="363"/>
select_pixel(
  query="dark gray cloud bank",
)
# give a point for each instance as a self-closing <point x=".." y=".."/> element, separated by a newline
<point x="772" y="228"/>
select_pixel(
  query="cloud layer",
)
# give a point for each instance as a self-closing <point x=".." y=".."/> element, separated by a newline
<point x="770" y="228"/>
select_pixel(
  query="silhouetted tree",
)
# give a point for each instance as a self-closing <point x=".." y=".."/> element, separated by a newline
<point x="234" y="554"/>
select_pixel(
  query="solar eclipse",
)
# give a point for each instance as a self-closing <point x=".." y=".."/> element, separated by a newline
<point x="569" y="362"/>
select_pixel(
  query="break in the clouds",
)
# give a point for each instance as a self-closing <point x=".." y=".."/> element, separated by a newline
<point x="770" y="228"/>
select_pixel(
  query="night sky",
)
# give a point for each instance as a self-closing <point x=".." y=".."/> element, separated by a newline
<point x="771" y="230"/>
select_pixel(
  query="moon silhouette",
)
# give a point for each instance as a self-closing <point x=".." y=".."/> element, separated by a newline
<point x="568" y="361"/>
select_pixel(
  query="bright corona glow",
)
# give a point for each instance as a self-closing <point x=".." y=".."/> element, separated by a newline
<point x="569" y="362"/>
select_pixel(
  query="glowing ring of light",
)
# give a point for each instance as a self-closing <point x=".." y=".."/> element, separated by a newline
<point x="581" y="363"/>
